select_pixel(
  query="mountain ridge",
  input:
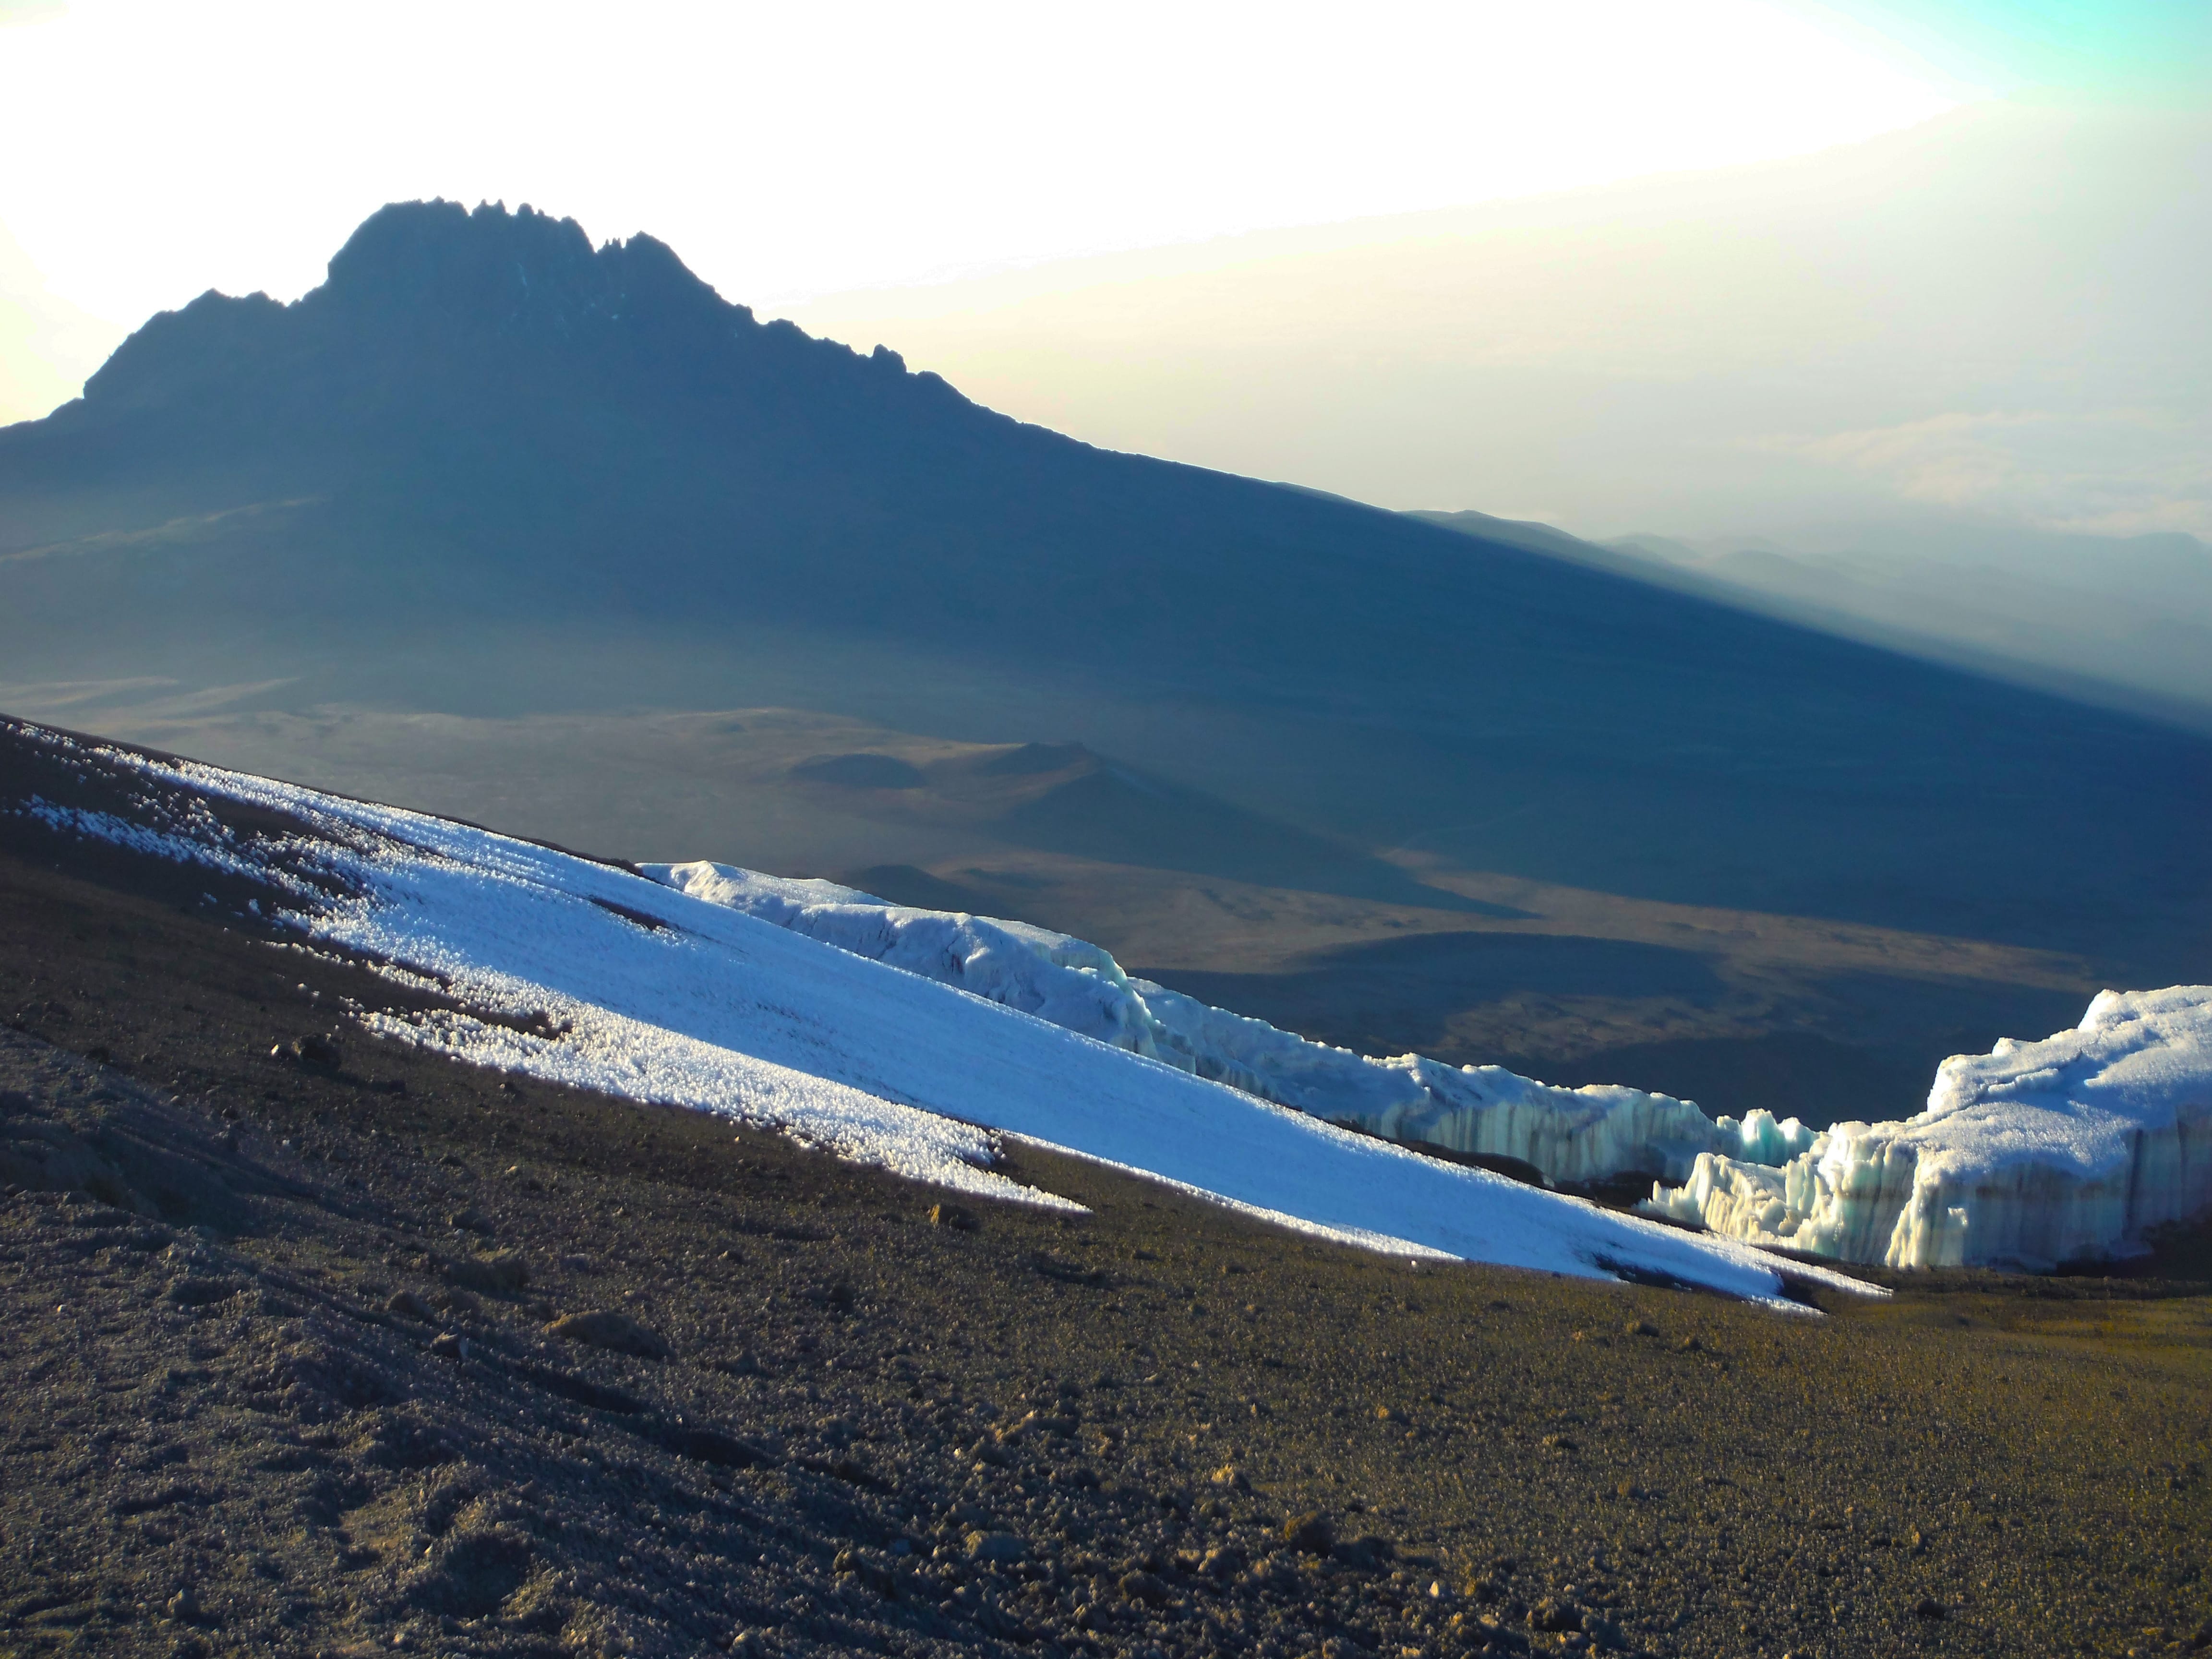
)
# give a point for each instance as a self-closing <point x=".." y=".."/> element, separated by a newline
<point x="1952" y="615"/>
<point x="528" y="473"/>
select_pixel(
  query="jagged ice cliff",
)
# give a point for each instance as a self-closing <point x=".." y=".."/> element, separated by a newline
<point x="1572" y="1135"/>
<point x="2034" y="1154"/>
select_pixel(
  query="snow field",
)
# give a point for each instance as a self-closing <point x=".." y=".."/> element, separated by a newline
<point x="1570" y="1134"/>
<point x="584" y="973"/>
<point x="2033" y="1154"/>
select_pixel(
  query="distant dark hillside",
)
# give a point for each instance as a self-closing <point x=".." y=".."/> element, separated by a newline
<point x="486" y="466"/>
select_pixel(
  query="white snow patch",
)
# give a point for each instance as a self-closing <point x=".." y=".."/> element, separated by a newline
<point x="1570" y="1134"/>
<point x="584" y="973"/>
<point x="2033" y="1154"/>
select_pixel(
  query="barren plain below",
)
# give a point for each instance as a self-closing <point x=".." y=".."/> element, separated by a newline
<point x="317" y="1350"/>
<point x="1385" y="952"/>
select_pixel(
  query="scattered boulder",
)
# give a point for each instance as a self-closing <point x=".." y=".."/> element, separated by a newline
<point x="321" y="1052"/>
<point x="408" y="1305"/>
<point x="506" y="1274"/>
<point x="194" y="1290"/>
<point x="604" y="1328"/>
<point x="1368" y="1553"/>
<point x="1553" y="1615"/>
<point x="450" y="1346"/>
<point x="995" y="1548"/>
<point x="469" y="1574"/>
<point x="1930" y="1609"/>
<point x="703" y="1444"/>
<point x="952" y="1216"/>
<point x="1231" y="1476"/>
<point x="1312" y="1534"/>
<point x="1145" y="1587"/>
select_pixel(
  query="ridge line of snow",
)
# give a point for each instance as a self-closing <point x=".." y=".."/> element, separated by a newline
<point x="1571" y="1135"/>
<point x="723" y="1011"/>
<point x="2036" y="1153"/>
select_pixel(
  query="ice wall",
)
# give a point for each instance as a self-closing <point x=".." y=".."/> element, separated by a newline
<point x="589" y="976"/>
<point x="1570" y="1134"/>
<point x="2033" y="1154"/>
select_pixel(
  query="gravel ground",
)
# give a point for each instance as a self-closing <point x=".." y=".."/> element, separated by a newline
<point x="321" y="1351"/>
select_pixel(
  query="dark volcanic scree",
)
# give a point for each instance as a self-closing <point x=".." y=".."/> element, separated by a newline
<point x="318" y="1346"/>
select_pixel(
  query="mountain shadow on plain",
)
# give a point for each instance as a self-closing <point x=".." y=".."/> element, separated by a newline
<point x="482" y="433"/>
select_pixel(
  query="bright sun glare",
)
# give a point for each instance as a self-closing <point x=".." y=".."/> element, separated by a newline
<point x="788" y="151"/>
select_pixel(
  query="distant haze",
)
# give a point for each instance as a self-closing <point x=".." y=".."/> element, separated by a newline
<point x="1908" y="289"/>
<point x="1996" y="317"/>
<point x="794" y="151"/>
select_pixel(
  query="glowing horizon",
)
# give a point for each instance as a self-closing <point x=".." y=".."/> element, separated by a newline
<point x="1040" y="206"/>
<point x="789" y="155"/>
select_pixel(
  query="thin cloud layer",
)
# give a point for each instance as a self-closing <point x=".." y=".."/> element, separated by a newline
<point x="2110" y="472"/>
<point x="1996" y="312"/>
<point x="793" y="150"/>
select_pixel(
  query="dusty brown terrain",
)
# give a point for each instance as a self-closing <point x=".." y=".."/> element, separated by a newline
<point x="291" y="1375"/>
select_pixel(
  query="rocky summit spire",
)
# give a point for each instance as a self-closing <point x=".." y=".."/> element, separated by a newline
<point x="433" y="261"/>
<point x="426" y="280"/>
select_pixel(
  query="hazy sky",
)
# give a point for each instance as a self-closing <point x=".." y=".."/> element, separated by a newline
<point x="793" y="150"/>
<point x="1994" y="317"/>
<point x="794" y="154"/>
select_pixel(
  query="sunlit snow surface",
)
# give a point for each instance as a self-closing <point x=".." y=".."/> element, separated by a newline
<point x="1569" y="1134"/>
<point x="621" y="984"/>
<point x="2033" y="1154"/>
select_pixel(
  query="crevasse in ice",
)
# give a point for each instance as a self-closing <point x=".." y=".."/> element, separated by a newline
<point x="2033" y="1154"/>
<point x="1572" y="1135"/>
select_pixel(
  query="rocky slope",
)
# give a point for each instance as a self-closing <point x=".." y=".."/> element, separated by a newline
<point x="320" y="1349"/>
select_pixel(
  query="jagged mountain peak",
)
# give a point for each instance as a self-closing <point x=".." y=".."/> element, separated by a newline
<point x="439" y="258"/>
<point x="483" y="433"/>
<point x="427" y="293"/>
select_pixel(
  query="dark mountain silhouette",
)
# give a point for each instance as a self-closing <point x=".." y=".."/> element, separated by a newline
<point x="487" y="466"/>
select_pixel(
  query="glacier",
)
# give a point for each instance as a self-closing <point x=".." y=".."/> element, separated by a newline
<point x="1572" y="1136"/>
<point x="593" y="975"/>
<point x="2032" y="1155"/>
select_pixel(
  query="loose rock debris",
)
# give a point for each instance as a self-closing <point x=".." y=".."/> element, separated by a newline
<point x="284" y="1378"/>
